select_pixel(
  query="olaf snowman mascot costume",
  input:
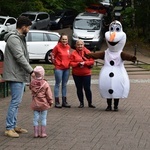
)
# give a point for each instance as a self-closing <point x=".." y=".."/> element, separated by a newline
<point x="113" y="79"/>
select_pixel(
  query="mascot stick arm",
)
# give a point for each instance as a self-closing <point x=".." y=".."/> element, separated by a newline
<point x="97" y="55"/>
<point x="128" y="57"/>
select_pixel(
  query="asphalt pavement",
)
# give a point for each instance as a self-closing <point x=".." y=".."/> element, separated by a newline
<point x="87" y="128"/>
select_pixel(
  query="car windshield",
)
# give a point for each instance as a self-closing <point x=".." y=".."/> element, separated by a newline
<point x="2" y="20"/>
<point x="30" y="16"/>
<point x="105" y="1"/>
<point x="86" y="24"/>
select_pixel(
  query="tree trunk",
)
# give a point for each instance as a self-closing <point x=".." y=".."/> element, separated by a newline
<point x="133" y="15"/>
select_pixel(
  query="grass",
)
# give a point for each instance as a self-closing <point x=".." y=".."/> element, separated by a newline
<point x="49" y="69"/>
<point x="147" y="67"/>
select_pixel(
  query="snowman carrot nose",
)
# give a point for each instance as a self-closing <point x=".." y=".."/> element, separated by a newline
<point x="112" y="36"/>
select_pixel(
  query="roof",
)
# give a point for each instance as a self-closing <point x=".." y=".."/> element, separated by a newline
<point x="88" y="15"/>
<point x="43" y="31"/>
<point x="33" y="12"/>
<point x="6" y="17"/>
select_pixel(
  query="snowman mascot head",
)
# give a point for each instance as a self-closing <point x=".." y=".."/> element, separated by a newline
<point x="115" y="37"/>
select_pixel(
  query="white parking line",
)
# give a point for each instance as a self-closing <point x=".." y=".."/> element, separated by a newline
<point x="95" y="81"/>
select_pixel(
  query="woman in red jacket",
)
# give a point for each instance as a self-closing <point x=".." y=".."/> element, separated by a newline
<point x="81" y="72"/>
<point x="61" y="59"/>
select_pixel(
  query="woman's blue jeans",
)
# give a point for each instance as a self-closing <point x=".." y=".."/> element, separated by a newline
<point x="61" y="76"/>
<point x="40" y="117"/>
<point x="17" y="89"/>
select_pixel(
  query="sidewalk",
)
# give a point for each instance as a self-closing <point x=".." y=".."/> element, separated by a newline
<point x="86" y="129"/>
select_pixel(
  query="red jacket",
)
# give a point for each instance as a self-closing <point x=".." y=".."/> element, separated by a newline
<point x="77" y="57"/>
<point x="61" y="56"/>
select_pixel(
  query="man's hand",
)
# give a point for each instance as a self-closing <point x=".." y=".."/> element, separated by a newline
<point x="33" y="75"/>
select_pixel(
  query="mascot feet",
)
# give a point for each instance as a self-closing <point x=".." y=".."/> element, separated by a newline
<point x="108" y="109"/>
<point x="115" y="108"/>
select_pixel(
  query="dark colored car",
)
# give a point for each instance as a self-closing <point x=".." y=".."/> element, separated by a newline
<point x="62" y="18"/>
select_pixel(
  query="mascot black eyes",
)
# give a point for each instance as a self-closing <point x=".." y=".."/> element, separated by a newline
<point x="113" y="78"/>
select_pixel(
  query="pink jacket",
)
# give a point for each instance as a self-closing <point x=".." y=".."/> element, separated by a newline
<point x="41" y="99"/>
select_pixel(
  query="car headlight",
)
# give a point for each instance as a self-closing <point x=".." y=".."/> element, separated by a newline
<point x="75" y="35"/>
<point x="57" y="20"/>
<point x="96" y="36"/>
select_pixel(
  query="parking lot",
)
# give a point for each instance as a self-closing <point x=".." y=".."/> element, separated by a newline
<point x="68" y="31"/>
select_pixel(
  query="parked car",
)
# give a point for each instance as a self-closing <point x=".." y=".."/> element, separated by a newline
<point x="40" y="20"/>
<point x="88" y="27"/>
<point x="117" y="13"/>
<point x="62" y="18"/>
<point x="40" y="44"/>
<point x="7" y="24"/>
<point x="106" y="3"/>
<point x="96" y="8"/>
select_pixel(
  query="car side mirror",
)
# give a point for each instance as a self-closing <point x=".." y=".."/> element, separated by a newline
<point x="7" y="24"/>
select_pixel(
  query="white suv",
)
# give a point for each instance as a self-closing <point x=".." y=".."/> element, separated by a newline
<point x="7" y="24"/>
<point x="40" y="44"/>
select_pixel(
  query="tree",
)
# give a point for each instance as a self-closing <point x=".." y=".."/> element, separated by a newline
<point x="142" y="16"/>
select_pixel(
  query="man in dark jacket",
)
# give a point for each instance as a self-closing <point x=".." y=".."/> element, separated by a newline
<point x="17" y="71"/>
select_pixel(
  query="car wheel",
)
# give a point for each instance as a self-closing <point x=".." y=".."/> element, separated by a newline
<point x="48" y="58"/>
<point x="35" y="61"/>
<point x="1" y="56"/>
<point x="61" y="26"/>
<point x="48" y="27"/>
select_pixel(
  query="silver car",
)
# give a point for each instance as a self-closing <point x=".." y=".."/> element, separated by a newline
<point x="7" y="24"/>
<point x="40" y="20"/>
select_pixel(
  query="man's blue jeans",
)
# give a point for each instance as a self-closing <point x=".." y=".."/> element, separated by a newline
<point x="17" y="89"/>
<point x="61" y="76"/>
<point x="40" y="117"/>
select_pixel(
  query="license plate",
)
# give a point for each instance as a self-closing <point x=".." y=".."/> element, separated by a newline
<point x="86" y="43"/>
<point x="117" y="14"/>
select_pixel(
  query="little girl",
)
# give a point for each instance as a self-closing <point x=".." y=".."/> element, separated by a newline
<point x="41" y="101"/>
